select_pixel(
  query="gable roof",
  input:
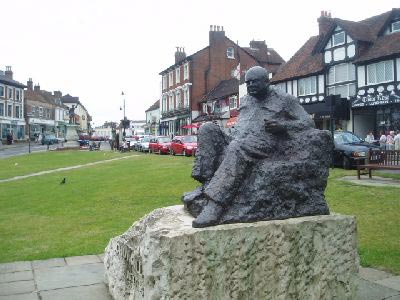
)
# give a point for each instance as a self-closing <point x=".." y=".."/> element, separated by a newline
<point x="308" y="60"/>
<point x="4" y="79"/>
<point x="156" y="105"/>
<point x="223" y="89"/>
<point x="303" y="63"/>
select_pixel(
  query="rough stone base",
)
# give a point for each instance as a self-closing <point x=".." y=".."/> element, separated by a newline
<point x="163" y="257"/>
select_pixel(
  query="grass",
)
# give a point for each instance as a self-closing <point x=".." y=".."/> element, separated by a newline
<point x="39" y="218"/>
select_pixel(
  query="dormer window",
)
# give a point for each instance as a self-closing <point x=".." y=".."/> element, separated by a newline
<point x="396" y="26"/>
<point x="338" y="38"/>
<point x="230" y="53"/>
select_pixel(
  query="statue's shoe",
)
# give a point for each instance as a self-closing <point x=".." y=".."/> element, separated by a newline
<point x="209" y="216"/>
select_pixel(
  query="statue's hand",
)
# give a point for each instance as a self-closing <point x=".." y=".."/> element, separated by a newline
<point x="273" y="126"/>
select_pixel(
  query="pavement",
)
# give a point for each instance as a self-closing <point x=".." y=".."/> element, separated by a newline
<point x="82" y="278"/>
<point x="374" y="181"/>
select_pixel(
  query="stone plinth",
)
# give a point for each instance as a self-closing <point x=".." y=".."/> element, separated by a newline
<point x="163" y="257"/>
<point x="71" y="136"/>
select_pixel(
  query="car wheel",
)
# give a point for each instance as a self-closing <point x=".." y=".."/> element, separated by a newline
<point x="346" y="163"/>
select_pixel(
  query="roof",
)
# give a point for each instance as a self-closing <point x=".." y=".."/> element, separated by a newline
<point x="156" y="105"/>
<point x="4" y="79"/>
<point x="187" y="58"/>
<point x="223" y="89"/>
<point x="308" y="60"/>
<point x="269" y="55"/>
<point x="303" y="63"/>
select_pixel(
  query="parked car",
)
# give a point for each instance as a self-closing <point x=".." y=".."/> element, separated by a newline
<point x="160" y="145"/>
<point x="184" y="145"/>
<point x="49" y="139"/>
<point x="349" y="149"/>
<point x="143" y="145"/>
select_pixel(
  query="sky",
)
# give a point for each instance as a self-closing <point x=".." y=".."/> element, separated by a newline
<point x="97" y="49"/>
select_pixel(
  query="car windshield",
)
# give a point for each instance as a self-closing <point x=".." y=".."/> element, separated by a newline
<point x="346" y="138"/>
<point x="190" y="139"/>
<point x="50" y="136"/>
<point x="146" y="140"/>
<point x="164" y="140"/>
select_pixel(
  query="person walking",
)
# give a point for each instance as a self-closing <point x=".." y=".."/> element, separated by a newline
<point x="382" y="140"/>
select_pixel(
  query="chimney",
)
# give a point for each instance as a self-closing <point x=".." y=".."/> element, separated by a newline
<point x="258" y="44"/>
<point x="8" y="73"/>
<point x="29" y="84"/>
<point x="324" y="22"/>
<point x="36" y="88"/>
<point x="216" y="33"/>
<point x="57" y="94"/>
<point x="180" y="54"/>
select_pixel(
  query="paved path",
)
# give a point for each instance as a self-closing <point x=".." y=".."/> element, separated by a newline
<point x="82" y="278"/>
<point x="374" y="181"/>
<point x="65" y="168"/>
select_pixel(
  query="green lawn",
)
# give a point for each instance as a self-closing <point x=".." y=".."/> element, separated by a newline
<point x="39" y="218"/>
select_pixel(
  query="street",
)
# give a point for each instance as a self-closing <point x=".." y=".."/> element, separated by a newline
<point x="23" y="148"/>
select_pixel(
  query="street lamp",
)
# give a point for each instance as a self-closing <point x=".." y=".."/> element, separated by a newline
<point x="124" y="120"/>
<point x="29" y="115"/>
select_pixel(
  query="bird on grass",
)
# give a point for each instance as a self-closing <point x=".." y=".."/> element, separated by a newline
<point x="63" y="180"/>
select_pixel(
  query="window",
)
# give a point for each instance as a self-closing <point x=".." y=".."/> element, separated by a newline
<point x="18" y="94"/>
<point x="396" y="26"/>
<point x="9" y="110"/>
<point x="186" y="97"/>
<point x="281" y="86"/>
<point x="380" y="72"/>
<point x="164" y="104"/>
<point x="40" y="111"/>
<point x="1" y="109"/>
<point x="346" y="90"/>
<point x="179" y="100"/>
<point x="230" y="53"/>
<point x="2" y="91"/>
<point x="186" y="71"/>
<point x="178" y="75"/>
<point x="10" y="92"/>
<point x="233" y="102"/>
<point x="170" y="79"/>
<point x="171" y="102"/>
<point x="307" y="86"/>
<point x="164" y="82"/>
<point x="341" y="73"/>
<point x="17" y="112"/>
<point x="338" y="38"/>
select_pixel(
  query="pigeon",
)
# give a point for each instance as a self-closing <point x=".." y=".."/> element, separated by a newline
<point x="63" y="181"/>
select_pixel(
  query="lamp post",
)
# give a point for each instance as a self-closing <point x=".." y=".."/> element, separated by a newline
<point x="29" y="115"/>
<point x="124" y="120"/>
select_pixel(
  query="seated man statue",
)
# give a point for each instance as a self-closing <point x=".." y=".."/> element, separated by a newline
<point x="273" y="166"/>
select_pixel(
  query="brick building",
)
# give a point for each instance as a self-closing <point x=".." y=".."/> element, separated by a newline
<point x="186" y="84"/>
<point x="359" y="62"/>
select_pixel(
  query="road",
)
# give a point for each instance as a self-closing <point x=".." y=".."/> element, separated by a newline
<point x="23" y="148"/>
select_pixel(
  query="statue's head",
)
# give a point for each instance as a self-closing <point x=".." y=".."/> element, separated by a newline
<point x="257" y="81"/>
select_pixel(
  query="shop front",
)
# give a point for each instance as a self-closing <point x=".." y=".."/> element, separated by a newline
<point x="377" y="113"/>
<point x="16" y="128"/>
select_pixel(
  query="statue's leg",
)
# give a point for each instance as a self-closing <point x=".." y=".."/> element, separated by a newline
<point x="224" y="184"/>
<point x="212" y="142"/>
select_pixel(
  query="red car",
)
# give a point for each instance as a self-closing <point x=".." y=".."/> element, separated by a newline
<point x="184" y="145"/>
<point x="160" y="145"/>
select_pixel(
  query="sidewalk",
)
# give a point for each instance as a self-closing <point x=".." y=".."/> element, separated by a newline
<point x="82" y="278"/>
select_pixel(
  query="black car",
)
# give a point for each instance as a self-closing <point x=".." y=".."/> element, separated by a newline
<point x="349" y="148"/>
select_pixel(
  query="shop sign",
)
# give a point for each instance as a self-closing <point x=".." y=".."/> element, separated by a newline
<point x="382" y="98"/>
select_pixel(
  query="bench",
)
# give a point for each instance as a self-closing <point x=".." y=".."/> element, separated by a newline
<point x="379" y="160"/>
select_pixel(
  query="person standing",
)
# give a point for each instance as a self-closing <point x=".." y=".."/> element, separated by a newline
<point x="382" y="140"/>
<point x="370" y="137"/>
<point x="396" y="141"/>
<point x="390" y="141"/>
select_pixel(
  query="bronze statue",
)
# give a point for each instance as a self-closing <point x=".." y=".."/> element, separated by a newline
<point x="273" y="166"/>
<point x="72" y="115"/>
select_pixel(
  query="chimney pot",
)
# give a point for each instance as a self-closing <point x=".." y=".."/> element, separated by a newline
<point x="30" y="84"/>
<point x="8" y="73"/>
<point x="210" y="27"/>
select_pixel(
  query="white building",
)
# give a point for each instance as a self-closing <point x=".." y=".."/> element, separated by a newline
<point x="153" y="119"/>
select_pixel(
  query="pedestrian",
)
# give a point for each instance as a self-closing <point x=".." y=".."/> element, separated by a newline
<point x="396" y="141"/>
<point x="390" y="141"/>
<point x="382" y="140"/>
<point x="370" y="137"/>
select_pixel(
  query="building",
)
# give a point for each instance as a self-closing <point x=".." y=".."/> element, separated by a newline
<point x="153" y="119"/>
<point x="44" y="112"/>
<point x="82" y="116"/>
<point x="360" y="62"/>
<point x="186" y="84"/>
<point x="106" y="131"/>
<point x="11" y="106"/>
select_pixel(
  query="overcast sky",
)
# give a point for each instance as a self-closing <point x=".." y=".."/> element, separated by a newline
<point x="95" y="49"/>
